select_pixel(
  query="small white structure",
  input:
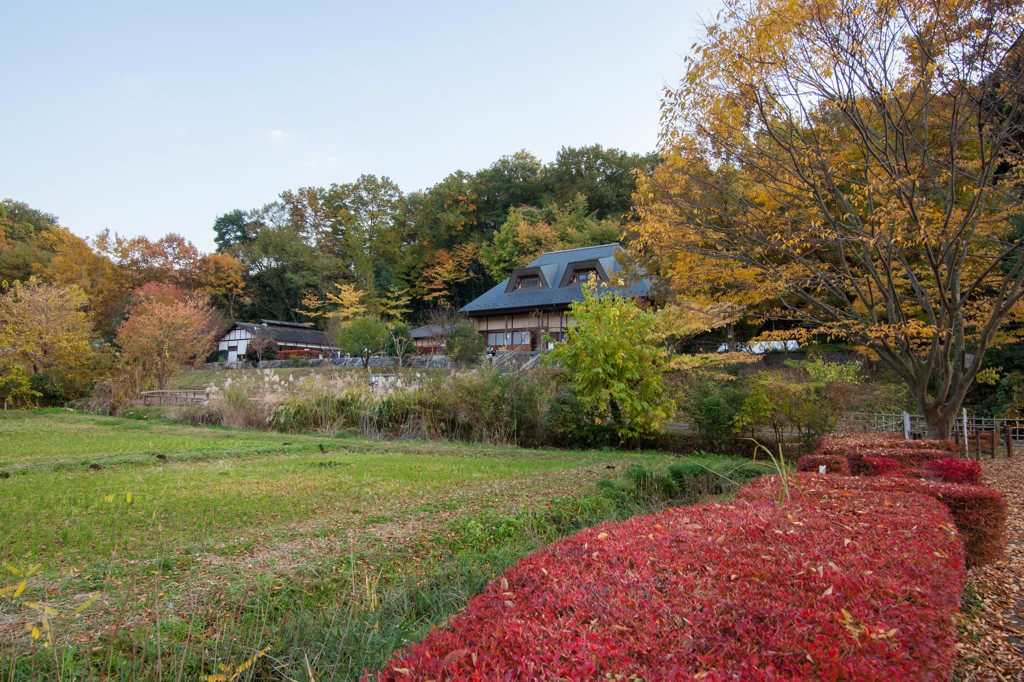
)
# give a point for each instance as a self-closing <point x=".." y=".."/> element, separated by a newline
<point x="287" y="336"/>
<point x="761" y="347"/>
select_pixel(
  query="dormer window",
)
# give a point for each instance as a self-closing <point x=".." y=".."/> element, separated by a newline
<point x="583" y="276"/>
<point x="527" y="282"/>
<point x="583" y="272"/>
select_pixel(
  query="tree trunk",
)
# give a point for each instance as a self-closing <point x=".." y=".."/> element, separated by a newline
<point x="939" y="422"/>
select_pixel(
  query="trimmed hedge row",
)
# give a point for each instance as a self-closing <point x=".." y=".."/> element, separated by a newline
<point x="835" y="584"/>
<point x="880" y="466"/>
<point x="863" y="450"/>
<point x="839" y="443"/>
<point x="979" y="512"/>
<point x="952" y="470"/>
<point x="834" y="464"/>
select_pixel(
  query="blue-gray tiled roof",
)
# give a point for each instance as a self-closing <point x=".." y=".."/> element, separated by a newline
<point x="554" y="265"/>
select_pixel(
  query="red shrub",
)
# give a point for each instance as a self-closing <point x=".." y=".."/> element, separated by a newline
<point x="833" y="585"/>
<point x="839" y="443"/>
<point x="979" y="512"/>
<point x="909" y="458"/>
<point x="834" y="464"/>
<point x="951" y="470"/>
<point x="880" y="466"/>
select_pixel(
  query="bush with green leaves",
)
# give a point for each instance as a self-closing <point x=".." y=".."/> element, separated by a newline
<point x="823" y="372"/>
<point x="362" y="337"/>
<point x="777" y="402"/>
<point x="613" y="366"/>
<point x="573" y="426"/>
<point x="465" y="345"/>
<point x="711" y="405"/>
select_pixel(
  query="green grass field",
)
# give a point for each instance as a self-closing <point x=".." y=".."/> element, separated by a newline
<point x="231" y="541"/>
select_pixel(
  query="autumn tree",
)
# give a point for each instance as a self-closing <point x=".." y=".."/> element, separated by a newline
<point x="75" y="263"/>
<point x="261" y="347"/>
<point x="222" y="278"/>
<point x="44" y="331"/>
<point x="613" y="364"/>
<point x="165" y="329"/>
<point x="857" y="165"/>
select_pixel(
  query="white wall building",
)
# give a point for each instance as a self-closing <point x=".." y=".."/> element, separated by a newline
<point x="287" y="336"/>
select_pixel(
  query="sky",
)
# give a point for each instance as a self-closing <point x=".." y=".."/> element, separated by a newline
<point x="151" y="118"/>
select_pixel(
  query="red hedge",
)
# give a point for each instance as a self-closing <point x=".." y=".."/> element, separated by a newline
<point x="834" y="464"/>
<point x="833" y="585"/>
<point x="979" y="512"/>
<point x="951" y="470"/>
<point x="838" y="443"/>
<point x="881" y="466"/>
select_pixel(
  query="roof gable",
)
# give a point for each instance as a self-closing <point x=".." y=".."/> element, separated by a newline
<point x="556" y="269"/>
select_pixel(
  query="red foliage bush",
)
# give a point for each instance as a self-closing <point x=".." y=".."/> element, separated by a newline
<point x="979" y="512"/>
<point x="832" y="585"/>
<point x="951" y="470"/>
<point x="881" y="466"/>
<point x="910" y="454"/>
<point x="834" y="464"/>
<point x="839" y="443"/>
<point x="298" y="353"/>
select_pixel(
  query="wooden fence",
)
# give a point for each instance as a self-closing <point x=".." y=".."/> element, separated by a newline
<point x="183" y="397"/>
<point x="983" y="435"/>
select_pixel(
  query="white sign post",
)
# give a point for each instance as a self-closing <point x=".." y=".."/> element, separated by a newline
<point x="906" y="425"/>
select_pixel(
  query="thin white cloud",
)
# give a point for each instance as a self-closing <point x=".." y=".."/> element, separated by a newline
<point x="318" y="161"/>
<point x="279" y="138"/>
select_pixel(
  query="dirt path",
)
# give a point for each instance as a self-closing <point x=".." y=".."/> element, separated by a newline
<point x="991" y="641"/>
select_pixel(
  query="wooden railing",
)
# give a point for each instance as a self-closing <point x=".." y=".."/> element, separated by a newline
<point x="195" y="396"/>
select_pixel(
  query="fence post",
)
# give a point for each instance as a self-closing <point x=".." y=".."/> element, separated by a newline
<point x="1009" y="438"/>
<point x="977" y="444"/>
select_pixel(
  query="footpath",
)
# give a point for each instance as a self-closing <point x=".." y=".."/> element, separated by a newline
<point x="990" y="645"/>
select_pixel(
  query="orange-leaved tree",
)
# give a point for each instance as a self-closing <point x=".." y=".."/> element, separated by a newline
<point x="165" y="329"/>
<point x="856" y="166"/>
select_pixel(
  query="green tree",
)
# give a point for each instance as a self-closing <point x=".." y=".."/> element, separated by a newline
<point x="363" y="337"/>
<point x="465" y="345"/>
<point x="614" y="367"/>
<point x="605" y="177"/>
<point x="230" y="229"/>
<point x="528" y="232"/>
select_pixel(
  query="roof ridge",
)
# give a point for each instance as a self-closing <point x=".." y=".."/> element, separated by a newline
<point x="580" y="248"/>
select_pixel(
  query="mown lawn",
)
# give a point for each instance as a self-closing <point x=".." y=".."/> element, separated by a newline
<point x="232" y="541"/>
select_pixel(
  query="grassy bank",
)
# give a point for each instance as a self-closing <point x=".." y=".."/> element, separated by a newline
<point x="333" y="549"/>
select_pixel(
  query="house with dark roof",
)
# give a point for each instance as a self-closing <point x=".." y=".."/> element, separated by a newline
<point x="287" y="336"/>
<point x="536" y="298"/>
<point x="429" y="338"/>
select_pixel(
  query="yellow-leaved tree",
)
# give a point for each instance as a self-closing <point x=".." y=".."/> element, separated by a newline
<point x="854" y="165"/>
<point x="44" y="331"/>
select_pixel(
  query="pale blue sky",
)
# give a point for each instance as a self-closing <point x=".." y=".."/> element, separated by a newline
<point x="151" y="119"/>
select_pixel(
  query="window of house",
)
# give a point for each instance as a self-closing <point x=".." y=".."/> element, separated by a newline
<point x="583" y="276"/>
<point x="528" y="282"/>
<point x="232" y="349"/>
<point x="499" y="338"/>
<point x="521" y="338"/>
